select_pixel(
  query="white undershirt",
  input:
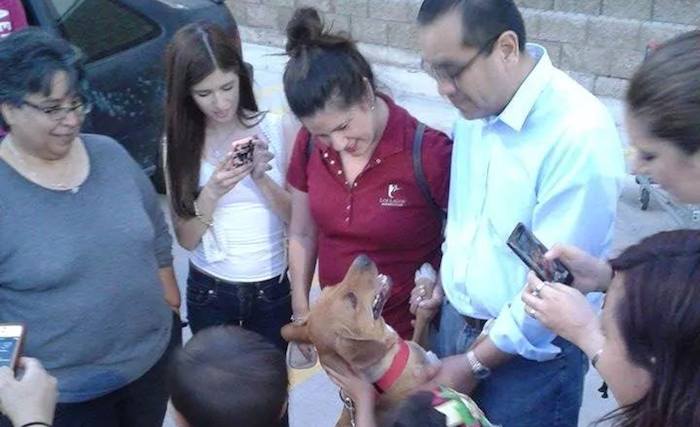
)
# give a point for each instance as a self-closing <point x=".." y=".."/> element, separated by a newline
<point x="247" y="241"/>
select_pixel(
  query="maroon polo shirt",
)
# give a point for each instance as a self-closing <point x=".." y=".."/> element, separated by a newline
<point x="383" y="214"/>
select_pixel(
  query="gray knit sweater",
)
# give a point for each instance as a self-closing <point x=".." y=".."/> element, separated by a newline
<point x="80" y="270"/>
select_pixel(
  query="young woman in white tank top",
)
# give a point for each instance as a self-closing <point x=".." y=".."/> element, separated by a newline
<point x="232" y="217"/>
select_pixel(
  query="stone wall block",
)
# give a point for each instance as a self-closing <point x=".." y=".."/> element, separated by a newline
<point x="624" y="62"/>
<point x="613" y="32"/>
<point x="262" y="16"/>
<point x="351" y="7"/>
<point x="586" y="59"/>
<point x="677" y="11"/>
<point x="610" y="86"/>
<point x="369" y="30"/>
<point x="537" y="4"/>
<point x="403" y="35"/>
<point x="562" y="27"/>
<point x="659" y="32"/>
<point x="589" y="7"/>
<point x="629" y="9"/>
<point x="394" y="10"/>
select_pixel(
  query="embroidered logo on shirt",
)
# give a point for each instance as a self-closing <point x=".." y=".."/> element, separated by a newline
<point x="392" y="199"/>
<point x="393" y="188"/>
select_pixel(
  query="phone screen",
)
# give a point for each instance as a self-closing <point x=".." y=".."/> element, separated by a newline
<point x="10" y="337"/>
<point x="531" y="251"/>
<point x="242" y="153"/>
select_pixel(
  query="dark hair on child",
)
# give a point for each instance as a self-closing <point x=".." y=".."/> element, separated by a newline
<point x="227" y="376"/>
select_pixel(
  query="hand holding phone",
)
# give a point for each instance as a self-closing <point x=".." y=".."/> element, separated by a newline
<point x="11" y="337"/>
<point x="531" y="251"/>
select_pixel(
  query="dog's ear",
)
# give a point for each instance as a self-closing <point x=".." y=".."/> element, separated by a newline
<point x="297" y="332"/>
<point x="361" y="353"/>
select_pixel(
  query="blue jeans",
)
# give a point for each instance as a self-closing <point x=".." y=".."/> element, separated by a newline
<point x="262" y="307"/>
<point x="522" y="392"/>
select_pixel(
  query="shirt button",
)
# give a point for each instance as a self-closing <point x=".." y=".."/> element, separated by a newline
<point x="354" y="185"/>
<point x="325" y="155"/>
<point x="332" y="162"/>
<point x="347" y="219"/>
<point x="378" y="161"/>
<point x="340" y="172"/>
<point x="347" y="207"/>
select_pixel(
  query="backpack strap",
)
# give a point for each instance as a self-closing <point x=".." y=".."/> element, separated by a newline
<point x="420" y="175"/>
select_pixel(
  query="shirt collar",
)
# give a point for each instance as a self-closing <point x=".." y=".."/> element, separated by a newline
<point x="522" y="103"/>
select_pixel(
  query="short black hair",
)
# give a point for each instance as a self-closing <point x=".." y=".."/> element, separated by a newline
<point x="30" y="59"/>
<point x="228" y="376"/>
<point x="322" y="67"/>
<point x="416" y="410"/>
<point x="483" y="21"/>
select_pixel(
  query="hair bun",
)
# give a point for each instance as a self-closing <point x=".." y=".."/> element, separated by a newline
<point x="304" y="29"/>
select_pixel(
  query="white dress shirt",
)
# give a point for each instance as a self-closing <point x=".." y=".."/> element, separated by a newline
<point x="551" y="160"/>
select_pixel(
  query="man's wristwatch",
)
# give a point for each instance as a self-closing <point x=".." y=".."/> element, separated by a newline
<point x="478" y="369"/>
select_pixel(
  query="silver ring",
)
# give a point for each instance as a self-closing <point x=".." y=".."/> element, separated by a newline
<point x="536" y="292"/>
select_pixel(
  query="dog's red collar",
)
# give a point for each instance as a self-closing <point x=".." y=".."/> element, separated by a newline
<point x="398" y="364"/>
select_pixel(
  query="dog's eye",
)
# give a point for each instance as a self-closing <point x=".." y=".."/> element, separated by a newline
<point x="352" y="299"/>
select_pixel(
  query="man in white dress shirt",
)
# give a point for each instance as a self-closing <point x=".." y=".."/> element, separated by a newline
<point x="532" y="146"/>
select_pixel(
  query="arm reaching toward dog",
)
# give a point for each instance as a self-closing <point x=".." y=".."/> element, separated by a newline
<point x="360" y="390"/>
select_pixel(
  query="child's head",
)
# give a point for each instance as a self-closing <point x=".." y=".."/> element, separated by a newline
<point x="441" y="407"/>
<point x="227" y="376"/>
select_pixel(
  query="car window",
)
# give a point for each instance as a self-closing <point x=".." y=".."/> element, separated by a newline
<point x="102" y="27"/>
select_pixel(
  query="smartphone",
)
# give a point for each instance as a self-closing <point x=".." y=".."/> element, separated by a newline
<point x="242" y="152"/>
<point x="531" y="251"/>
<point x="11" y="337"/>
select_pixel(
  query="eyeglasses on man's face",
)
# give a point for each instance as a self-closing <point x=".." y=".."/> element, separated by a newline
<point x="452" y="73"/>
<point x="58" y="114"/>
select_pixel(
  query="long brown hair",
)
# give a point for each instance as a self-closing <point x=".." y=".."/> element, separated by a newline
<point x="659" y="320"/>
<point x="196" y="51"/>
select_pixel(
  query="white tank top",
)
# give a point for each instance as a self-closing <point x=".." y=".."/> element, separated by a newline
<point x="247" y="242"/>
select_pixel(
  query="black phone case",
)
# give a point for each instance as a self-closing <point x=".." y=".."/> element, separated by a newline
<point x="562" y="274"/>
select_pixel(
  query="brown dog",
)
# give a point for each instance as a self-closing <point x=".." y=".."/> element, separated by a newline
<point x="346" y="327"/>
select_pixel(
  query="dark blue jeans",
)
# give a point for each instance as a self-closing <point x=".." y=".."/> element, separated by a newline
<point x="522" y="392"/>
<point x="262" y="307"/>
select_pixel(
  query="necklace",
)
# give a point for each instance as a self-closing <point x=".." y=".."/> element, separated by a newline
<point x="65" y="183"/>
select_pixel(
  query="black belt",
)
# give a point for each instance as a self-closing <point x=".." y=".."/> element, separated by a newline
<point x="474" y="323"/>
<point x="212" y="281"/>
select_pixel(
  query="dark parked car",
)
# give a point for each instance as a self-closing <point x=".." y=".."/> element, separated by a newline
<point x="124" y="41"/>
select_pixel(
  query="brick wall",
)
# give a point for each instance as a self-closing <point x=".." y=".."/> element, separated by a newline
<point x="599" y="42"/>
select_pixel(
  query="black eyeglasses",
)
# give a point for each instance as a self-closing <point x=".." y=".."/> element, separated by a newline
<point x="58" y="114"/>
<point x="452" y="74"/>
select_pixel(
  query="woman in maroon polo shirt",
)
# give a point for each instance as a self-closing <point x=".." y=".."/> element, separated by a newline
<point x="354" y="187"/>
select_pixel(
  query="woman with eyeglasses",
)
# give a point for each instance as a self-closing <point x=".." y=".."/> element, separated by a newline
<point x="646" y="345"/>
<point x="85" y="247"/>
<point x="353" y="172"/>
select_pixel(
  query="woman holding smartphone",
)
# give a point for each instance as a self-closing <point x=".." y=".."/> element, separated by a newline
<point x="85" y="245"/>
<point x="646" y="346"/>
<point x="229" y="207"/>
